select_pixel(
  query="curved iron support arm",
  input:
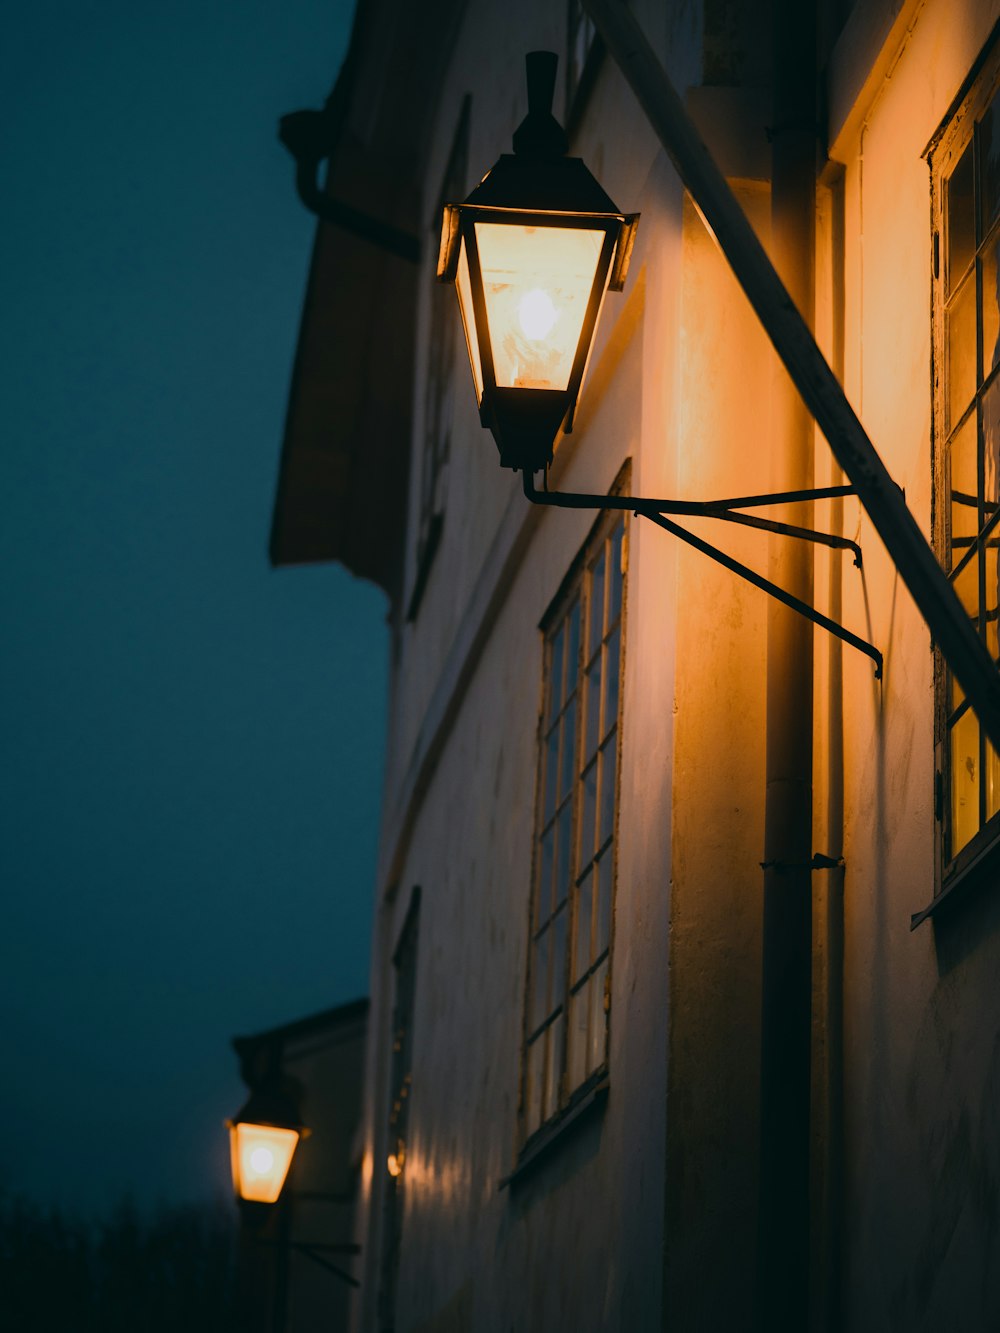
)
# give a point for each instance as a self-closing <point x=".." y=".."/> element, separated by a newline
<point x="306" y="136"/>
<point x="656" y="511"/>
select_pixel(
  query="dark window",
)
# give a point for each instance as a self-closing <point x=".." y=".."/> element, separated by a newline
<point x="966" y="185"/>
<point x="566" y="1028"/>
<point x="438" y="402"/>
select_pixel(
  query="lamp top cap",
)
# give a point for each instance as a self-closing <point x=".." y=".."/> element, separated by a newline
<point x="540" y="134"/>
<point x="270" y="1105"/>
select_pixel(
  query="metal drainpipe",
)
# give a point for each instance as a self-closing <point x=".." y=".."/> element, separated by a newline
<point x="786" y="1003"/>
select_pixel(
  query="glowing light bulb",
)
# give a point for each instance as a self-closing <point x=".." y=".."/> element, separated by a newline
<point x="394" y="1165"/>
<point x="262" y="1159"/>
<point x="536" y="313"/>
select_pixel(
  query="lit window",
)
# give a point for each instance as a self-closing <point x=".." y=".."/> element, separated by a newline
<point x="966" y="181"/>
<point x="566" y="1046"/>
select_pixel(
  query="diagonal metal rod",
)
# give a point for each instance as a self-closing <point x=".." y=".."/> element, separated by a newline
<point x="772" y="589"/>
<point x="647" y="509"/>
<point x="963" y="650"/>
<point x="785" y="530"/>
<point x="721" y="509"/>
<point x="309" y="1252"/>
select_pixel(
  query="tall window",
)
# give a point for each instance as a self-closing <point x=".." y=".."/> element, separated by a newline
<point x="966" y="183"/>
<point x="440" y="380"/>
<point x="566" y="1030"/>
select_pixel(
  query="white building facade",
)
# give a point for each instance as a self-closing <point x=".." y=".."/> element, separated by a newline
<point x="568" y="1092"/>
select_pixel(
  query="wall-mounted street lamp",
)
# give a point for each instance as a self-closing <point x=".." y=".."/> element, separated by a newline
<point x="532" y="252"/>
<point x="263" y="1136"/>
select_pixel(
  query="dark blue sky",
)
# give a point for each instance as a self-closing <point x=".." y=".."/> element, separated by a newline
<point x="192" y="742"/>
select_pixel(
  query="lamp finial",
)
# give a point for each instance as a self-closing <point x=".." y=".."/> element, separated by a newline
<point x="540" y="134"/>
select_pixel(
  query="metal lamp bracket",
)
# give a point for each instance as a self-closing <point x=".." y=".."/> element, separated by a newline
<point x="729" y="511"/>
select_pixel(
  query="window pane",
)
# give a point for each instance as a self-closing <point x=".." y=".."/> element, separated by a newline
<point x="551" y="773"/>
<point x="964" y="485"/>
<point x="544" y="897"/>
<point x="991" y="310"/>
<point x="598" y="1018"/>
<point x="568" y="753"/>
<point x="964" y="780"/>
<point x="966" y="584"/>
<point x="579" y="1044"/>
<point x="560" y="944"/>
<point x="573" y="647"/>
<point x="962" y="350"/>
<point x="602" y="884"/>
<point x="992" y="781"/>
<point x="991" y="446"/>
<point x="589" y="815"/>
<point x="536" y="1083"/>
<point x="612" y="666"/>
<point x="581" y="953"/>
<point x="540" y="981"/>
<point x="596" y="633"/>
<point x="989" y="165"/>
<point x="564" y="847"/>
<point x="593" y="706"/>
<point x="615" y="571"/>
<point x="556" y="675"/>
<point x="961" y="216"/>
<point x="554" y="1041"/>
<point x="607" y="826"/>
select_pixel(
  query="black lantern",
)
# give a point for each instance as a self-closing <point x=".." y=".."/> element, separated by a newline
<point x="532" y="252"/>
<point x="263" y="1136"/>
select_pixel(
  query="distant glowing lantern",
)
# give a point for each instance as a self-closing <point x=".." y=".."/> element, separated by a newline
<point x="263" y="1137"/>
<point x="532" y="252"/>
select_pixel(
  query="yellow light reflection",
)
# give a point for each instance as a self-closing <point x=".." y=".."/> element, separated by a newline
<point x="261" y="1156"/>
<point x="537" y="283"/>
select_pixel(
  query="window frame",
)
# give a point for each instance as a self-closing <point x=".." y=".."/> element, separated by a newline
<point x="584" y="1089"/>
<point x="960" y="131"/>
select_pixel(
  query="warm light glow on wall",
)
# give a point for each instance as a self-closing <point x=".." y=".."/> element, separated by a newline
<point x="261" y="1156"/>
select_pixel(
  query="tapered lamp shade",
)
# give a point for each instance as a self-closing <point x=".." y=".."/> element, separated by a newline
<point x="532" y="252"/>
<point x="261" y="1156"/>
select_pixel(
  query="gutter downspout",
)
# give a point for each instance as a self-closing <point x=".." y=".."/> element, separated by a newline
<point x="786" y="974"/>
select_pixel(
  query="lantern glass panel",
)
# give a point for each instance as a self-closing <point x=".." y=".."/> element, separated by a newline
<point x="464" y="287"/>
<point x="261" y="1156"/>
<point x="537" y="283"/>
